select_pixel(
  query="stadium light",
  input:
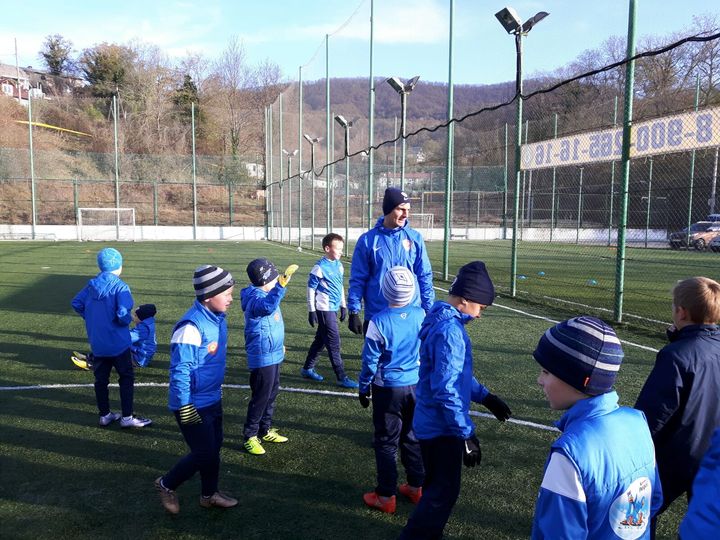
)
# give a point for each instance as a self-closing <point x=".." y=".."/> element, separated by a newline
<point x="346" y="125"/>
<point x="511" y="22"/>
<point x="403" y="88"/>
<point x="313" y="141"/>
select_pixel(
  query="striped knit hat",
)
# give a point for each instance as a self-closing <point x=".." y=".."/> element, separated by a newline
<point x="584" y="352"/>
<point x="210" y="281"/>
<point x="398" y="286"/>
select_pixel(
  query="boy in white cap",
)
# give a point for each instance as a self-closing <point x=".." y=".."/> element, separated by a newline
<point x="198" y="349"/>
<point x="600" y="480"/>
<point x="105" y="304"/>
<point x="445" y="388"/>
<point x="390" y="361"/>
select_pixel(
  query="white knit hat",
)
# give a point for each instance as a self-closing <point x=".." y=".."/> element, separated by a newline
<point x="398" y="286"/>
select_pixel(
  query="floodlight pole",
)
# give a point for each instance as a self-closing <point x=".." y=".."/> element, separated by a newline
<point x="312" y="141"/>
<point x="289" y="154"/>
<point x="346" y="126"/>
<point x="403" y="108"/>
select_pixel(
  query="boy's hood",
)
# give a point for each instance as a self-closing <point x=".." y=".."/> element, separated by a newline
<point x="248" y="293"/>
<point x="440" y="311"/>
<point x="103" y="284"/>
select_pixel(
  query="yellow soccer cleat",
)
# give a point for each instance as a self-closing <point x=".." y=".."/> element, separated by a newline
<point x="273" y="436"/>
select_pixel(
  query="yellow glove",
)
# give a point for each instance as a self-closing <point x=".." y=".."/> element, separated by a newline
<point x="285" y="277"/>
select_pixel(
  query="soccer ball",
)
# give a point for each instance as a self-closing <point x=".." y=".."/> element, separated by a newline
<point x="299" y="249"/>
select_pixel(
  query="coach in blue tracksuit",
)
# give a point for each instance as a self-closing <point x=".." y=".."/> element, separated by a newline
<point x="392" y="242"/>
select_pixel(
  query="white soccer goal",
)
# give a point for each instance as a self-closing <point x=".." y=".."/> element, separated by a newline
<point x="106" y="224"/>
<point x="423" y="223"/>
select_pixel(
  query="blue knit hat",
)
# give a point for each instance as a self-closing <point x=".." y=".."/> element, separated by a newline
<point x="584" y="352"/>
<point x="109" y="260"/>
<point x="393" y="197"/>
<point x="473" y="283"/>
<point x="398" y="286"/>
<point x="261" y="271"/>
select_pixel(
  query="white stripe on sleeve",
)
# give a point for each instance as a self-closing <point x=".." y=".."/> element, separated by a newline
<point x="562" y="477"/>
<point x="374" y="334"/>
<point x="187" y="334"/>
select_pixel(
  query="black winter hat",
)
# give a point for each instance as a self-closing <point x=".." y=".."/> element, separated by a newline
<point x="145" y="311"/>
<point x="261" y="271"/>
<point x="473" y="283"/>
<point x="393" y="197"/>
<point x="210" y="281"/>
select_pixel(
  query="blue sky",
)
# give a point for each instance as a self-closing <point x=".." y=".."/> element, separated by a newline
<point x="411" y="36"/>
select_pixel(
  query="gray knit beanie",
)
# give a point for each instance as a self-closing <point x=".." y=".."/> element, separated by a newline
<point x="398" y="286"/>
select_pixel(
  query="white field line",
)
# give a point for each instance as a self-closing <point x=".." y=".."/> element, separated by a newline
<point x="247" y="387"/>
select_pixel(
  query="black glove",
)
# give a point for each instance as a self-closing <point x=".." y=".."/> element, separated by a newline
<point x="497" y="406"/>
<point x="355" y="324"/>
<point x="472" y="454"/>
<point x="364" y="398"/>
<point x="312" y="318"/>
<point x="343" y="314"/>
<point x="189" y="415"/>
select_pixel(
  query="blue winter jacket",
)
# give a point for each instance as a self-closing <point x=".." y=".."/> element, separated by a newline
<point x="144" y="343"/>
<point x="446" y="385"/>
<point x="106" y="305"/>
<point x="325" y="288"/>
<point x="600" y="480"/>
<point x="264" y="326"/>
<point x="378" y="250"/>
<point x="391" y="353"/>
<point x="680" y="401"/>
<point x="702" y="520"/>
<point x="198" y="349"/>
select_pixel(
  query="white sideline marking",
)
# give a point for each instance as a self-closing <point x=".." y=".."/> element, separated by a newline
<point x="247" y="387"/>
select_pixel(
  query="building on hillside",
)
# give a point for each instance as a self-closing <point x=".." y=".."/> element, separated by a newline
<point x="53" y="85"/>
<point x="14" y="82"/>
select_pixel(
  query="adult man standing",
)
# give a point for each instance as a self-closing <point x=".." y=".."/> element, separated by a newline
<point x="392" y="242"/>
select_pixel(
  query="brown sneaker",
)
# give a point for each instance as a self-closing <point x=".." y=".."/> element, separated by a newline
<point x="168" y="497"/>
<point x="219" y="500"/>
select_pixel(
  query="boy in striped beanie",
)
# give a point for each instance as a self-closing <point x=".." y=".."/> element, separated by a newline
<point x="600" y="479"/>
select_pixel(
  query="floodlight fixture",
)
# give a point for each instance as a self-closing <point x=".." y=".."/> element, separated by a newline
<point x="340" y="119"/>
<point x="404" y="90"/>
<point x="290" y="153"/>
<point x="510" y="20"/>
<point x="401" y="87"/>
<point x="312" y="140"/>
<point x="532" y="21"/>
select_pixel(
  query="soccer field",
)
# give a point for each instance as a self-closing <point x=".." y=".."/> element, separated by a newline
<point x="63" y="476"/>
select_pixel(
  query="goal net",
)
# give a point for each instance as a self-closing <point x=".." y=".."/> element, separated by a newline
<point x="423" y="223"/>
<point x="106" y="224"/>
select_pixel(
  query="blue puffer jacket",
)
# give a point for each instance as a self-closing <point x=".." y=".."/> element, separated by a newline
<point x="391" y="353"/>
<point x="702" y="520"/>
<point x="198" y="349"/>
<point x="447" y="385"/>
<point x="264" y="326"/>
<point x="106" y="305"/>
<point x="376" y="251"/>
<point x="144" y="343"/>
<point x="600" y="481"/>
<point x="680" y="401"/>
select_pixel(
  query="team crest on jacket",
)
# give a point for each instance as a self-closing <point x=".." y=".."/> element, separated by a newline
<point x="277" y="316"/>
<point x="630" y="512"/>
<point x="406" y="244"/>
<point x="212" y="347"/>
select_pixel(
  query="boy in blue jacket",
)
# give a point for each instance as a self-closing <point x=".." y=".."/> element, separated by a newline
<point x="325" y="296"/>
<point x="142" y="337"/>
<point x="600" y="480"/>
<point x="390" y="360"/>
<point x="445" y="388"/>
<point x="702" y="520"/>
<point x="680" y="396"/>
<point x="198" y="349"/>
<point x="105" y="304"/>
<point x="265" y="349"/>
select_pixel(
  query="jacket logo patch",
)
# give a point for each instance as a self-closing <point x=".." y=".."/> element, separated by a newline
<point x="403" y="315"/>
<point x="630" y="512"/>
<point x="277" y="316"/>
<point x="406" y="244"/>
<point x="212" y="347"/>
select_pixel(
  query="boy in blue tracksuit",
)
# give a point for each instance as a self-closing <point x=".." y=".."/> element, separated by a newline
<point x="702" y="520"/>
<point x="600" y="480"/>
<point x="265" y="349"/>
<point x="105" y="304"/>
<point x="198" y="349"/>
<point x="390" y="360"/>
<point x="680" y="396"/>
<point x="445" y="389"/>
<point x="325" y="296"/>
<point x="392" y="242"/>
<point x="143" y="342"/>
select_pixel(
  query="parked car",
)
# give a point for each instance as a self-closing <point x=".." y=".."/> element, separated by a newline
<point x="714" y="244"/>
<point x="701" y="234"/>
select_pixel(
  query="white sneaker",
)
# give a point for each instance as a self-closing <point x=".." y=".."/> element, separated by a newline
<point x="134" y="421"/>
<point x="109" y="418"/>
